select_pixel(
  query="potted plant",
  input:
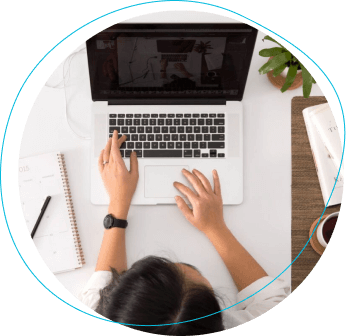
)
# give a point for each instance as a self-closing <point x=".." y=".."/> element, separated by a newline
<point x="284" y="70"/>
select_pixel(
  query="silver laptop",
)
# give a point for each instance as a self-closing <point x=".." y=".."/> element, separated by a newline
<point x="175" y="90"/>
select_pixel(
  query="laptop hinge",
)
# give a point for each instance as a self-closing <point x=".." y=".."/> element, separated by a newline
<point x="170" y="101"/>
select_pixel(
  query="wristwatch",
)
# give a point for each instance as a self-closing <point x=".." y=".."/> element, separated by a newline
<point x="111" y="222"/>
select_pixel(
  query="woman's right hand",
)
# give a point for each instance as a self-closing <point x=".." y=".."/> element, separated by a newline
<point x="207" y="209"/>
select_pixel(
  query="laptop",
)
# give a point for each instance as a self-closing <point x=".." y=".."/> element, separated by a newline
<point x="175" y="90"/>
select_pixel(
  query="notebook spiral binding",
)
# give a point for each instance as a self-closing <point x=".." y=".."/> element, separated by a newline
<point x="69" y="204"/>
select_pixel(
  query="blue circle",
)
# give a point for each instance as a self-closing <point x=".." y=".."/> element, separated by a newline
<point x="145" y="3"/>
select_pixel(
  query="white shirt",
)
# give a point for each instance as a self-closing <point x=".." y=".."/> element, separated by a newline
<point x="247" y="310"/>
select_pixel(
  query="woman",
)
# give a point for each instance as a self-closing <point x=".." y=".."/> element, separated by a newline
<point x="155" y="292"/>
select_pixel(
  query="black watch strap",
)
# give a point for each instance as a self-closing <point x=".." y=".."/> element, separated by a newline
<point x="111" y="222"/>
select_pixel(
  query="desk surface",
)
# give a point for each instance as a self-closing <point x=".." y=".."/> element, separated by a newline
<point x="262" y="223"/>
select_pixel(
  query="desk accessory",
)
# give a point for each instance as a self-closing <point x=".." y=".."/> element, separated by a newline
<point x="307" y="201"/>
<point x="44" y="207"/>
<point x="284" y="70"/>
<point x="57" y="238"/>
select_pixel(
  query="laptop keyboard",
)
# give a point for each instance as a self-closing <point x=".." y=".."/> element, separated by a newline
<point x="174" y="57"/>
<point x="171" y="135"/>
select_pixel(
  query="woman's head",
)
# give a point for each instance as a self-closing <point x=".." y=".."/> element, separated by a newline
<point x="156" y="291"/>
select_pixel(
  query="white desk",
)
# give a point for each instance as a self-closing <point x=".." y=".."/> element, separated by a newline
<point x="262" y="223"/>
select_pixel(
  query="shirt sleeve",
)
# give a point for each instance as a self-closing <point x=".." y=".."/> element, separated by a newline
<point x="259" y="303"/>
<point x="90" y="295"/>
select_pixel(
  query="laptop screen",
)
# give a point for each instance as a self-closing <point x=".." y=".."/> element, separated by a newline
<point x="167" y="61"/>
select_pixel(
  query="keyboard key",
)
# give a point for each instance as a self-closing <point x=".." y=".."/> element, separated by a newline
<point x="119" y="135"/>
<point x="169" y="122"/>
<point x="138" y="145"/>
<point x="122" y="152"/>
<point x="187" y="115"/>
<point x="213" y="153"/>
<point x="195" y="115"/>
<point x="125" y="129"/>
<point x="220" y="115"/>
<point x="112" y="122"/>
<point x="212" y="129"/>
<point x="216" y="137"/>
<point x="187" y="153"/>
<point x="167" y="137"/>
<point x="193" y="122"/>
<point x="185" y="122"/>
<point x="205" y="155"/>
<point x="206" y="137"/>
<point x="146" y="115"/>
<point x="219" y="121"/>
<point x="121" y="122"/>
<point x="176" y="122"/>
<point x="140" y="129"/>
<point x="204" y="115"/>
<point x="130" y="145"/>
<point x="146" y="145"/>
<point x="172" y="129"/>
<point x="163" y="115"/>
<point x="216" y="144"/>
<point x="204" y="129"/>
<point x="128" y="153"/>
<point x="164" y="129"/>
<point x="134" y="137"/>
<point x="202" y="145"/>
<point x="171" y="115"/>
<point x="132" y="129"/>
<point x="209" y="121"/>
<point x="161" y="122"/>
<point x="197" y="153"/>
<point x="178" y="145"/>
<point x="129" y="122"/>
<point x="112" y="129"/>
<point x="148" y="129"/>
<point x="221" y="155"/>
<point x="196" y="129"/>
<point x="181" y="129"/>
<point x="155" y="145"/>
<point x="150" y="137"/>
<point x="123" y="145"/>
<point x="154" y="115"/>
<point x="145" y="122"/>
<point x="129" y="115"/>
<point x="137" y="122"/>
<point x="158" y="137"/>
<point x="221" y="129"/>
<point x="199" y="137"/>
<point x="188" y="129"/>
<point x="153" y="122"/>
<point x="195" y="145"/>
<point x="175" y="137"/>
<point x="191" y="137"/>
<point x="201" y="122"/>
<point x="143" y="137"/>
<point x="156" y="129"/>
<point x="112" y="116"/>
<point x="162" y="153"/>
<point x="121" y="115"/>
<point x="182" y="137"/>
<point x="187" y="145"/>
<point x="212" y="115"/>
<point x="179" y="116"/>
<point x="139" y="153"/>
<point x="170" y="145"/>
<point x="138" y="116"/>
<point x="162" y="145"/>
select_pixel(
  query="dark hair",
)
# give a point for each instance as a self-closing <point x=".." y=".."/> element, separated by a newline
<point x="154" y="291"/>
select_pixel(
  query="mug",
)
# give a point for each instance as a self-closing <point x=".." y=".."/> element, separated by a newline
<point x="326" y="228"/>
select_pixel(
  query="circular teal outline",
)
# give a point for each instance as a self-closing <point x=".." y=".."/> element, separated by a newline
<point x="145" y="3"/>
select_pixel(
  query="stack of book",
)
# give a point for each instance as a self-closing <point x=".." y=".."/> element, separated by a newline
<point x="327" y="151"/>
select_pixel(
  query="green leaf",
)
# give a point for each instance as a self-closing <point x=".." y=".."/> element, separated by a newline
<point x="275" y="62"/>
<point x="277" y="71"/>
<point x="271" y="52"/>
<point x="313" y="80"/>
<point x="271" y="39"/>
<point x="307" y="82"/>
<point x="291" y="75"/>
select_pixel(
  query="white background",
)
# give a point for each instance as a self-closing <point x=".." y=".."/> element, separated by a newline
<point x="262" y="223"/>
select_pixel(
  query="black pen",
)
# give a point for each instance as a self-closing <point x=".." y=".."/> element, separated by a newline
<point x="44" y="207"/>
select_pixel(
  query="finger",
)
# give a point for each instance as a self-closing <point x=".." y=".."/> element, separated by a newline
<point x="195" y="181"/>
<point x="184" y="208"/>
<point x="204" y="180"/>
<point x="185" y="191"/>
<point x="100" y="162"/>
<point x="134" y="163"/>
<point x="107" y="150"/>
<point x="115" y="151"/>
<point x="121" y="140"/>
<point x="217" y="185"/>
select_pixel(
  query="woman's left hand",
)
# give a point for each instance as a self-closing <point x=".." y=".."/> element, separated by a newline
<point x="118" y="181"/>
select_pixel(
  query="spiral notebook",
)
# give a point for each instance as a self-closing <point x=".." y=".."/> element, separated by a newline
<point x="56" y="238"/>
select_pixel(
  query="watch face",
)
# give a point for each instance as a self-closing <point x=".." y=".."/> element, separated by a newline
<point x="108" y="221"/>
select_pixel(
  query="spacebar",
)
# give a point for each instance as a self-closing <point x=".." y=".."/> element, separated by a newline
<point x="162" y="153"/>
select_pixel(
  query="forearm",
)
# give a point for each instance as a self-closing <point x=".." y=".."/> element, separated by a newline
<point x="243" y="268"/>
<point x="113" y="251"/>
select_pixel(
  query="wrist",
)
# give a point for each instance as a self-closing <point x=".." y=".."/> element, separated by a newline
<point x="216" y="230"/>
<point x="118" y="211"/>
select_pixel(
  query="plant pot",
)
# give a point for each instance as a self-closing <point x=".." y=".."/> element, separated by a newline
<point x="280" y="80"/>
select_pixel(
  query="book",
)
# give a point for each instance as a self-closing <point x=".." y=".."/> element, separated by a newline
<point x="56" y="238"/>
<point x="325" y="167"/>
<point x="323" y="119"/>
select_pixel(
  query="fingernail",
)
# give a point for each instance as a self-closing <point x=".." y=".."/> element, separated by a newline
<point x="176" y="198"/>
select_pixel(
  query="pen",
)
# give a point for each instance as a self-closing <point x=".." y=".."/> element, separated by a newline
<point x="44" y="207"/>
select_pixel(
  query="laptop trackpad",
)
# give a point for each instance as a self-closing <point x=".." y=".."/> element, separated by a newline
<point x="159" y="180"/>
